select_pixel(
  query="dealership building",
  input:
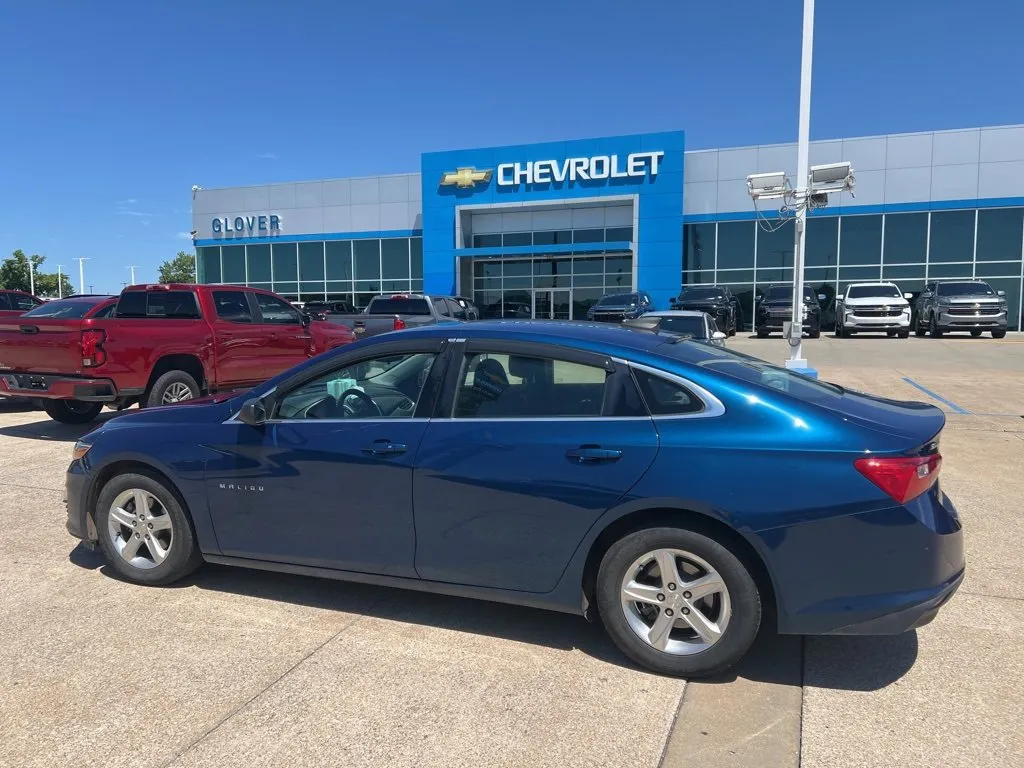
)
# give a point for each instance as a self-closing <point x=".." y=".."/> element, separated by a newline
<point x="550" y="228"/>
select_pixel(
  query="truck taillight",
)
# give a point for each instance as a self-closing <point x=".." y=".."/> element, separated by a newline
<point x="92" y="348"/>
<point x="903" y="477"/>
<point x="399" y="324"/>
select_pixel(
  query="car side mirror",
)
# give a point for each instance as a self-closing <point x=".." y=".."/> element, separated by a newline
<point x="253" y="412"/>
<point x="908" y="296"/>
<point x="306" y="320"/>
<point x="926" y="295"/>
<point x="718" y="335"/>
<point x="1000" y="293"/>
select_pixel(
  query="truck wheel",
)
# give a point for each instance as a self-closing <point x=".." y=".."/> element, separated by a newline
<point x="905" y="334"/>
<point x="935" y="330"/>
<point x="171" y="387"/>
<point x="999" y="333"/>
<point x="915" y="322"/>
<point x="890" y="334"/>
<point x="762" y="334"/>
<point x="72" y="411"/>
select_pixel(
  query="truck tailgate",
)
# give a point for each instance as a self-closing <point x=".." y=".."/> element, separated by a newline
<point x="41" y="345"/>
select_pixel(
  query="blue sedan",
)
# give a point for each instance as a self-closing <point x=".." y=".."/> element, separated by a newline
<point x="681" y="493"/>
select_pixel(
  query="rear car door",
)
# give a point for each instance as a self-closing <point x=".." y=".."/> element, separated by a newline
<point x="286" y="340"/>
<point x="239" y="341"/>
<point x="532" y="444"/>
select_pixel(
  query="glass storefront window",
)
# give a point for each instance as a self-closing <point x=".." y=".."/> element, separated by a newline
<point x="588" y="236"/>
<point x="517" y="238"/>
<point x="692" y="278"/>
<point x="855" y="274"/>
<point x="208" y="264"/>
<point x="821" y="241"/>
<point x="367" y="258"/>
<point x="394" y="259"/>
<point x="906" y="238"/>
<point x="588" y="266"/>
<point x="773" y="276"/>
<point x="518" y="268"/>
<point x="736" y="245"/>
<point x="339" y="259"/>
<point x="997" y="269"/>
<point x="775" y="246"/>
<point x="903" y="272"/>
<point x="860" y="240"/>
<point x="486" y="241"/>
<point x="735" y="275"/>
<point x="416" y="259"/>
<point x="619" y="234"/>
<point x="487" y="268"/>
<point x="286" y="268"/>
<point x="313" y="290"/>
<point x="561" y="237"/>
<point x="698" y="247"/>
<point x="588" y="281"/>
<point x="582" y="300"/>
<point x="952" y="237"/>
<point x="258" y="257"/>
<point x="950" y="270"/>
<point x="289" y="290"/>
<point x="232" y="259"/>
<point x="311" y="261"/>
<point x="999" y="234"/>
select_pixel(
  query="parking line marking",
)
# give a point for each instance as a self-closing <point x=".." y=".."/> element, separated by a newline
<point x="953" y="406"/>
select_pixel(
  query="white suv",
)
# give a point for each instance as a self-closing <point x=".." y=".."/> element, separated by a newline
<point x="873" y="307"/>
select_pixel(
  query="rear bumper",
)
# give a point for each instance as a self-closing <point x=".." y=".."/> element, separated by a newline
<point x="57" y="387"/>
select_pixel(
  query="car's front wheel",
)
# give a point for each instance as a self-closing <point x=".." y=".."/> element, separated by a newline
<point x="144" y="530"/>
<point x="934" y="327"/>
<point x="678" y="602"/>
<point x="999" y="333"/>
<point x="72" y="411"/>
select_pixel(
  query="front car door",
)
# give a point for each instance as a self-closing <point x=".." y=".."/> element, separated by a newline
<point x="530" y="445"/>
<point x="328" y="480"/>
<point x="286" y="339"/>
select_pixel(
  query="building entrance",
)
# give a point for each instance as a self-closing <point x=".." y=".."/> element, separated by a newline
<point x="552" y="304"/>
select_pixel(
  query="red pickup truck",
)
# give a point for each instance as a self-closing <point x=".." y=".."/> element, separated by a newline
<point x="159" y="344"/>
<point x="16" y="302"/>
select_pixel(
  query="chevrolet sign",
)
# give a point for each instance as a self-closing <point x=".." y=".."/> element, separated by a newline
<point x="464" y="178"/>
<point x="637" y="165"/>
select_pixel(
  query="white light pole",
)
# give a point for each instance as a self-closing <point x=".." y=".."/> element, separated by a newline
<point x="60" y="282"/>
<point x="132" y="268"/>
<point x="81" y="272"/>
<point x="31" y="277"/>
<point x="803" y="149"/>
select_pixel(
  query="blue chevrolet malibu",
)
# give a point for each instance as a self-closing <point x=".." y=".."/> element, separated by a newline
<point x="678" y="491"/>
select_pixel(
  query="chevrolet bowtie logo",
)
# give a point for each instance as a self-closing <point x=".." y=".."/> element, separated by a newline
<point x="463" y="178"/>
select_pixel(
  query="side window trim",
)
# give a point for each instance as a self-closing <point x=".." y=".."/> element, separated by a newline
<point x="713" y="407"/>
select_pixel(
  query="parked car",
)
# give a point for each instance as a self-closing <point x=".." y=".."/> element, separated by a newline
<point x="960" y="305"/>
<point x="397" y="311"/>
<point x="616" y="307"/>
<point x="320" y="309"/>
<point x="775" y="307"/>
<point x="717" y="300"/>
<point x="17" y="302"/>
<point x="507" y="309"/>
<point x="162" y="344"/>
<point x="698" y="326"/>
<point x="417" y="460"/>
<point x="469" y="309"/>
<point x="873" y="307"/>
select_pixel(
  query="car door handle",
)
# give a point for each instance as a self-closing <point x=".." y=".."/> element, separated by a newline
<point x="592" y="454"/>
<point x="384" y="448"/>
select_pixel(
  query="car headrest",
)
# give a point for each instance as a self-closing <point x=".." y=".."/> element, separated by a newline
<point x="490" y="379"/>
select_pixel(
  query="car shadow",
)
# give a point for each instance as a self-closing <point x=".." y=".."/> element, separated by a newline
<point x="846" y="663"/>
<point x="54" y="431"/>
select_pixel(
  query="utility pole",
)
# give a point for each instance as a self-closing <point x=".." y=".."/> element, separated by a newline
<point x="60" y="282"/>
<point x="31" y="277"/>
<point x="803" y="148"/>
<point x="132" y="268"/>
<point x="91" y="288"/>
<point x="81" y="272"/>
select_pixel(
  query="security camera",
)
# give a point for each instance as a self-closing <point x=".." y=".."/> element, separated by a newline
<point x="768" y="185"/>
<point x="193" y="233"/>
<point x="831" y="177"/>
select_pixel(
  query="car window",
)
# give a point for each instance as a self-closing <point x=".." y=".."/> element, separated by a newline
<point x="441" y="307"/>
<point x="964" y="289"/>
<point x="107" y="311"/>
<point x="232" y="306"/>
<point x="22" y="302"/>
<point x="177" y="305"/>
<point x="5" y="303"/>
<point x="515" y="386"/>
<point x="276" y="311"/>
<point x="664" y="397"/>
<point x="685" y="325"/>
<point x="387" y="387"/>
<point x="873" y="292"/>
<point x="66" y="308"/>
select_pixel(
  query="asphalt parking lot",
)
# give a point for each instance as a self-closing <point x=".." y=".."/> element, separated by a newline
<point x="244" y="668"/>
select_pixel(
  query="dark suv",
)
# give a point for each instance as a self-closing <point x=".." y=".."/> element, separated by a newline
<point x="775" y="307"/>
<point x="718" y="301"/>
<point x="960" y="305"/>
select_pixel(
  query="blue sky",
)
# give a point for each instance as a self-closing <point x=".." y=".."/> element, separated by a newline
<point x="109" y="119"/>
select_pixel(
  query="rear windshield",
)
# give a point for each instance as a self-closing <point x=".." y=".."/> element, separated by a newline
<point x="964" y="289"/>
<point x="398" y="306"/>
<point x="176" y="305"/>
<point x="69" y="308"/>
<point x="618" y="299"/>
<point x="701" y="293"/>
<point x="873" y="292"/>
<point x="687" y="326"/>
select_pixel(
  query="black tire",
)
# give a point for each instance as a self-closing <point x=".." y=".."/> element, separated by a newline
<point x="891" y="334"/>
<point x="905" y="334"/>
<point x="975" y="332"/>
<point x="746" y="602"/>
<point x="762" y="334"/>
<point x="999" y="333"/>
<point x="183" y="557"/>
<point x="155" y="395"/>
<point x="839" y="330"/>
<point x="733" y="327"/>
<point x="72" y="411"/>
<point x="936" y="332"/>
<point x="815" y="333"/>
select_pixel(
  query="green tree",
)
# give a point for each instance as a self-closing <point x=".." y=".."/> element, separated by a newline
<point x="14" y="270"/>
<point x="46" y="285"/>
<point x="180" y="269"/>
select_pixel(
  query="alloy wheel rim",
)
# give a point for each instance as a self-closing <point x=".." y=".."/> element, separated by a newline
<point x="140" y="528"/>
<point x="675" y="601"/>
<point x="177" y="392"/>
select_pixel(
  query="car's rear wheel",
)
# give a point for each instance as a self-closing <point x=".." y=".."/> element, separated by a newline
<point x="72" y="411"/>
<point x="144" y="530"/>
<point x="999" y="333"/>
<point x="172" y="387"/>
<point x="678" y="602"/>
<point x="762" y="334"/>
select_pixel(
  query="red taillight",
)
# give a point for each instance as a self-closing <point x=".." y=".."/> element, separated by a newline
<point x="903" y="477"/>
<point x="92" y="348"/>
<point x="399" y="324"/>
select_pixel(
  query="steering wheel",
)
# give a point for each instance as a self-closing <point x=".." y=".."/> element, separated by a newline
<point x="349" y="411"/>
